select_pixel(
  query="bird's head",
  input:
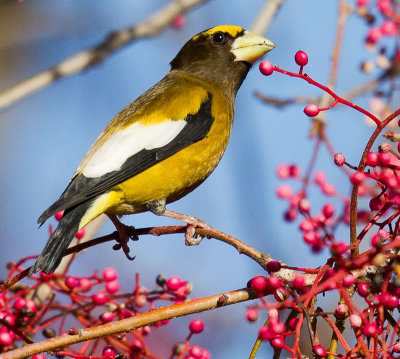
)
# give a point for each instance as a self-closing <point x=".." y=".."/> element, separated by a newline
<point x="222" y="54"/>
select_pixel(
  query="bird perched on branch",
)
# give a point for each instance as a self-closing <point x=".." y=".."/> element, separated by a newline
<point x="162" y="145"/>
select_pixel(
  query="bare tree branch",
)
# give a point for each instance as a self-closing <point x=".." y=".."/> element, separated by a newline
<point x="85" y="59"/>
<point x="126" y="325"/>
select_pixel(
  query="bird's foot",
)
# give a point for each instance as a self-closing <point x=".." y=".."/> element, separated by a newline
<point x="191" y="238"/>
<point x="124" y="235"/>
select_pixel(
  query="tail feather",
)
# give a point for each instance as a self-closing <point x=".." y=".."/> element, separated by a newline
<point x="61" y="238"/>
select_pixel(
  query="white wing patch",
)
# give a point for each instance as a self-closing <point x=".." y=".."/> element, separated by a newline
<point x="124" y="144"/>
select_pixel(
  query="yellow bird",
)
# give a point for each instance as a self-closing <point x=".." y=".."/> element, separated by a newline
<point x="162" y="145"/>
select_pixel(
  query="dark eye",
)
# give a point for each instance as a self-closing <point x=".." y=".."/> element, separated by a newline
<point x="218" y="37"/>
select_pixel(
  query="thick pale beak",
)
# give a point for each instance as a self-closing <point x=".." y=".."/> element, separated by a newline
<point x="250" y="47"/>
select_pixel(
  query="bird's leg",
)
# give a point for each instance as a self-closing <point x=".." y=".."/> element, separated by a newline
<point x="158" y="208"/>
<point x="123" y="235"/>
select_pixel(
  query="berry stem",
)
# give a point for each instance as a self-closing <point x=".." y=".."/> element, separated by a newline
<point x="337" y="98"/>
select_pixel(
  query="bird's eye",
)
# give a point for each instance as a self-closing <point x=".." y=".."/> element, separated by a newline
<point x="218" y="37"/>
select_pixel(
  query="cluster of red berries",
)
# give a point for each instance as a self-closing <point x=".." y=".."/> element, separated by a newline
<point x="313" y="227"/>
<point x="388" y="18"/>
<point x="88" y="301"/>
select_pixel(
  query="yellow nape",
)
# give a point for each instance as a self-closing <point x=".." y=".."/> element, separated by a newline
<point x="230" y="29"/>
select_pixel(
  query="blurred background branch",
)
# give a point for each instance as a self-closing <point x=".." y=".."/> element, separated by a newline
<point x="86" y="59"/>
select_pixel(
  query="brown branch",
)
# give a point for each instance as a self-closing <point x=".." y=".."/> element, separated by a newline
<point x="86" y="59"/>
<point x="126" y="325"/>
<point x="261" y="258"/>
<point x="361" y="167"/>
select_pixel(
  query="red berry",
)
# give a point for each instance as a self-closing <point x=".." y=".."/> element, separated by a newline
<point x="112" y="287"/>
<point x="99" y="298"/>
<point x="110" y="274"/>
<point x="8" y="317"/>
<point x="71" y="282"/>
<point x="384" y="6"/>
<point x="274" y="282"/>
<point x="375" y="204"/>
<point x="30" y="304"/>
<point x="372" y="159"/>
<point x="59" y="215"/>
<point x="283" y="171"/>
<point x="319" y="351"/>
<point x="373" y="35"/>
<point x="389" y="301"/>
<point x="348" y="280"/>
<point x="173" y="283"/>
<point x="306" y="225"/>
<point x="338" y="248"/>
<point x="179" y="21"/>
<point x="196" y="326"/>
<point x="273" y="266"/>
<point x="109" y="352"/>
<point x="266" y="68"/>
<point x="45" y="276"/>
<point x="81" y="233"/>
<point x="329" y="189"/>
<point x="6" y="338"/>
<point x="38" y="356"/>
<point x="259" y="283"/>
<point x="357" y="177"/>
<point x="341" y="311"/>
<point x="290" y="215"/>
<point x="84" y="284"/>
<point x="310" y="238"/>
<point x="298" y="282"/>
<point x="252" y="314"/>
<point x="265" y="333"/>
<point x="384" y="234"/>
<point x="206" y="354"/>
<point x="370" y="329"/>
<point x="305" y="205"/>
<point x="19" y="304"/>
<point x="137" y="345"/>
<point x="125" y="313"/>
<point x="319" y="178"/>
<point x="384" y="158"/>
<point x="362" y="2"/>
<point x="294" y="171"/>
<point x="363" y="289"/>
<point x="355" y="321"/>
<point x="107" y="317"/>
<point x="311" y="110"/>
<point x="301" y="58"/>
<point x="196" y="352"/>
<point x="339" y="159"/>
<point x="284" y="191"/>
<point x="277" y="342"/>
<point x="328" y="210"/>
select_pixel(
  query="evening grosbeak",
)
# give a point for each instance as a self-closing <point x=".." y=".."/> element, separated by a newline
<point x="162" y="145"/>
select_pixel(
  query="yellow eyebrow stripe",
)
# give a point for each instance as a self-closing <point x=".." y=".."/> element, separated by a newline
<point x="230" y="29"/>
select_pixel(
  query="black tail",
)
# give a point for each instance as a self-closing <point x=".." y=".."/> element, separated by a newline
<point x="59" y="241"/>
